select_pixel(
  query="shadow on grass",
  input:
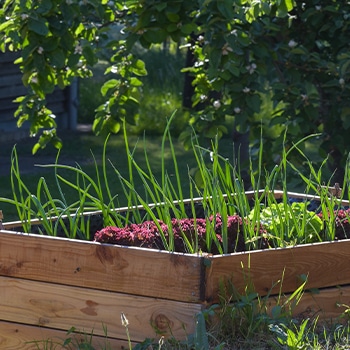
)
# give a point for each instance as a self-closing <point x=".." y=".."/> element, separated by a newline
<point x="80" y="149"/>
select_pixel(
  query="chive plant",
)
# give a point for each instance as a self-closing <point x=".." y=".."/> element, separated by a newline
<point x="216" y="186"/>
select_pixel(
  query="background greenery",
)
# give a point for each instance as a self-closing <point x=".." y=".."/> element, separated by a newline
<point x="296" y="53"/>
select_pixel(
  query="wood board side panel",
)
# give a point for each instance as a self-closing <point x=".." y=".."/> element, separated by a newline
<point x="16" y="336"/>
<point x="108" y="267"/>
<point x="62" y="307"/>
<point x="324" y="264"/>
<point x="327" y="304"/>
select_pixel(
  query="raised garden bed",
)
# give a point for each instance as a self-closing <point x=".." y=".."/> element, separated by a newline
<point x="50" y="284"/>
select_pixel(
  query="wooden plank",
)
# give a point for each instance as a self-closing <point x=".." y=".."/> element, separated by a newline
<point x="131" y="270"/>
<point x="10" y="79"/>
<point x="9" y="68"/>
<point x="325" y="264"/>
<point x="12" y="91"/>
<point x="61" y="307"/>
<point x="326" y="304"/>
<point x="8" y="57"/>
<point x="15" y="336"/>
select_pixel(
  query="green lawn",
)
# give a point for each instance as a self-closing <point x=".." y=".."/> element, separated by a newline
<point x="82" y="148"/>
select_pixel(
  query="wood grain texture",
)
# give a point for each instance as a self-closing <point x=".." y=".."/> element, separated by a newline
<point x="129" y="270"/>
<point x="324" y="264"/>
<point x="326" y="304"/>
<point x="61" y="307"/>
<point x="15" y="336"/>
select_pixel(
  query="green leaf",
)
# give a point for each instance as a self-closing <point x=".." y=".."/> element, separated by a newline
<point x="254" y="102"/>
<point x="173" y="17"/>
<point x="171" y="28"/>
<point x="345" y="117"/>
<point x="113" y="125"/>
<point x="98" y="124"/>
<point x="73" y="60"/>
<point x="234" y="70"/>
<point x="135" y="82"/>
<point x="243" y="39"/>
<point x="215" y="57"/>
<point x="44" y="7"/>
<point x="38" y="26"/>
<point x="110" y="84"/>
<point x="56" y="142"/>
<point x="276" y="311"/>
<point x="284" y="7"/>
<point x="36" y="147"/>
<point x="5" y="25"/>
<point x="58" y="58"/>
<point x="188" y="28"/>
<point x="61" y="82"/>
<point x="160" y="7"/>
<point x="138" y="67"/>
<point x="89" y="55"/>
<point x="226" y="8"/>
<point x="155" y="36"/>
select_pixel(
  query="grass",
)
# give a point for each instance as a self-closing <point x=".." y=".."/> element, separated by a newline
<point x="78" y="149"/>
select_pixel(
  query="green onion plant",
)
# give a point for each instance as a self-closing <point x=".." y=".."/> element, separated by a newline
<point x="216" y="185"/>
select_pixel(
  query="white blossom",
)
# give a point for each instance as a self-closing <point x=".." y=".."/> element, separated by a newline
<point x="237" y="110"/>
<point x="199" y="64"/>
<point x="24" y="16"/>
<point x="114" y="69"/>
<point x="292" y="43"/>
<point x="226" y="49"/>
<point x="341" y="81"/>
<point x="78" y="49"/>
<point x="246" y="90"/>
<point x="40" y="50"/>
<point x="217" y="104"/>
<point x="251" y="68"/>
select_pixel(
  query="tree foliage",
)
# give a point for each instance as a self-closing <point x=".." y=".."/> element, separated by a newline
<point x="297" y="53"/>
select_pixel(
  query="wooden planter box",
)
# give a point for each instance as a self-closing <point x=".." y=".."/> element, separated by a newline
<point x="50" y="284"/>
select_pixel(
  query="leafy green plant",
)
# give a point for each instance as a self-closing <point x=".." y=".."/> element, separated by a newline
<point x="294" y="337"/>
<point x="246" y="317"/>
<point x="55" y="214"/>
<point x="292" y="223"/>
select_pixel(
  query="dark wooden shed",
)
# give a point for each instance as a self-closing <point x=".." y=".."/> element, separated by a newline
<point x="63" y="103"/>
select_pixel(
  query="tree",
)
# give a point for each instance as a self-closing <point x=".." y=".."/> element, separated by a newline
<point x="296" y="53"/>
